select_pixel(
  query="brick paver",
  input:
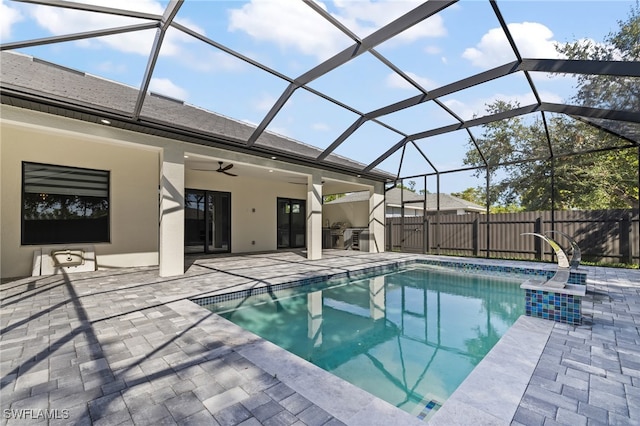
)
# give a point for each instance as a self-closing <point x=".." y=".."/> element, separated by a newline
<point x="106" y="348"/>
<point x="586" y="373"/>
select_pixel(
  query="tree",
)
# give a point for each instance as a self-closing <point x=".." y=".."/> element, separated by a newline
<point x="475" y="195"/>
<point x="522" y="162"/>
<point x="609" y="91"/>
<point x="478" y="195"/>
<point x="616" y="171"/>
<point x="410" y="186"/>
<point x="332" y="197"/>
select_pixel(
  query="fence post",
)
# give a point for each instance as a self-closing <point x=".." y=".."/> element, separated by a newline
<point x="427" y="226"/>
<point x="476" y="224"/>
<point x="425" y="234"/>
<point x="537" y="228"/>
<point x="388" y="244"/>
<point x="625" y="240"/>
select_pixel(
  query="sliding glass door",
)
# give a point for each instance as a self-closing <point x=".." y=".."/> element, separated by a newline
<point x="207" y="221"/>
<point x="292" y="222"/>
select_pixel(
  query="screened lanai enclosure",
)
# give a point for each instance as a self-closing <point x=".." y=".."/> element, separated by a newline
<point x="495" y="102"/>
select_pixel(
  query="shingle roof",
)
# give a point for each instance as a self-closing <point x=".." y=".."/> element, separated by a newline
<point x="447" y="202"/>
<point x="31" y="75"/>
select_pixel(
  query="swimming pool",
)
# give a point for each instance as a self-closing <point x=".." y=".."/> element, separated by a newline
<point x="409" y="337"/>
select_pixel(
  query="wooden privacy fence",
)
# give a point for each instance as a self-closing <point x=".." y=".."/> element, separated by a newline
<point x="611" y="236"/>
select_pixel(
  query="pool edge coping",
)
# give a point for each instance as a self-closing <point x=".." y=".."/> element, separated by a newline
<point x="342" y="400"/>
<point x="469" y="402"/>
<point x="384" y="268"/>
<point x="492" y="392"/>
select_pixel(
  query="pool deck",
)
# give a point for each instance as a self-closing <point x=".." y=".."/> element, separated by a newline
<point x="128" y="347"/>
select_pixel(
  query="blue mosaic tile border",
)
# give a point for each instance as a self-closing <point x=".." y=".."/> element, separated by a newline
<point x="472" y="268"/>
<point x="349" y="275"/>
<point x="565" y="308"/>
<point x="579" y="278"/>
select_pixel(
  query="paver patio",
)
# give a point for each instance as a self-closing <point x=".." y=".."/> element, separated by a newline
<point x="127" y="347"/>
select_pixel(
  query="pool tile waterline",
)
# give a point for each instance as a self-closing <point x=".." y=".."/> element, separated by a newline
<point x="472" y="268"/>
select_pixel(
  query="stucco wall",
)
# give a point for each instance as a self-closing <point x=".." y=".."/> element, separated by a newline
<point x="356" y="213"/>
<point x="133" y="194"/>
<point x="134" y="162"/>
<point x="248" y="194"/>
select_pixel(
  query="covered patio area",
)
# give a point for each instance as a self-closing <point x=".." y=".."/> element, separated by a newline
<point x="128" y="347"/>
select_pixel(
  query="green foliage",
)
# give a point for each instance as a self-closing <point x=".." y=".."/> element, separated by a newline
<point x="410" y="186"/>
<point x="523" y="162"/>
<point x="612" y="265"/>
<point x="510" y="208"/>
<point x="609" y="91"/>
<point x="332" y="197"/>
<point x="475" y="195"/>
<point x="478" y="196"/>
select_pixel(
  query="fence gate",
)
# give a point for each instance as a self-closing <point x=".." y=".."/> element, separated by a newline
<point x="411" y="239"/>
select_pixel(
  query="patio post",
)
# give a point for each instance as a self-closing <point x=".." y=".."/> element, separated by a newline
<point x="376" y="218"/>
<point x="314" y="217"/>
<point x="171" y="241"/>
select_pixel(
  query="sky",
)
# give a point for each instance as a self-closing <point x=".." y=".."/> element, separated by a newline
<point x="290" y="38"/>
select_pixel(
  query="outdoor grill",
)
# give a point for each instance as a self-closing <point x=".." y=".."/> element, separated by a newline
<point x="345" y="237"/>
<point x="337" y="234"/>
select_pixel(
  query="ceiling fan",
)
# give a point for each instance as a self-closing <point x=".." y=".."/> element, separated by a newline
<point x="221" y="169"/>
<point x="225" y="168"/>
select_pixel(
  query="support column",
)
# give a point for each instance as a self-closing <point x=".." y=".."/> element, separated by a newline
<point x="171" y="212"/>
<point x="314" y="318"/>
<point x="377" y="297"/>
<point x="314" y="217"/>
<point x="376" y="219"/>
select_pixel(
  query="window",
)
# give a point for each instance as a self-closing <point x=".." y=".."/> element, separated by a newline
<point x="64" y="204"/>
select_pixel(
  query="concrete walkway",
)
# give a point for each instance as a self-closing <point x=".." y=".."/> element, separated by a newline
<point x="127" y="347"/>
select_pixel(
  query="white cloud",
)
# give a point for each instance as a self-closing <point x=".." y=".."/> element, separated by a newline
<point x="534" y="40"/>
<point x="321" y="127"/>
<point x="366" y="16"/>
<point x="265" y="102"/>
<point x="61" y="21"/>
<point x="293" y="25"/>
<point x="547" y="96"/>
<point x="8" y="17"/>
<point x="210" y="61"/>
<point x="110" y="67"/>
<point x="164" y="86"/>
<point x="432" y="50"/>
<point x="290" y="25"/>
<point x="395" y="81"/>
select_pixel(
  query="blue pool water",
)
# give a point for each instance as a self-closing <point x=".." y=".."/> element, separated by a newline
<point x="409" y="337"/>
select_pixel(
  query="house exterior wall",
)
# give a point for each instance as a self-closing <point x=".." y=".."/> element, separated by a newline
<point x="136" y="163"/>
<point x="133" y="194"/>
<point x="248" y="194"/>
<point x="356" y="213"/>
<point x="397" y="211"/>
